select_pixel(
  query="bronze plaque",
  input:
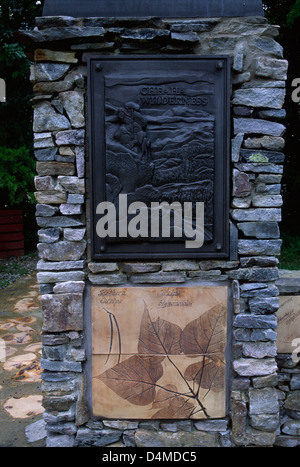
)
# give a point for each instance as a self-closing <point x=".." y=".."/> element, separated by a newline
<point x="159" y="136"/>
<point x="159" y="352"/>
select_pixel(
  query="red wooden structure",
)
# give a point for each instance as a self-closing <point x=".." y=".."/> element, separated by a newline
<point x="11" y="233"/>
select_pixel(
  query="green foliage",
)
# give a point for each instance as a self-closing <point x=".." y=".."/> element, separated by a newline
<point x="17" y="170"/>
<point x="293" y="14"/>
<point x="16" y="152"/>
<point x="16" y="113"/>
<point x="290" y="253"/>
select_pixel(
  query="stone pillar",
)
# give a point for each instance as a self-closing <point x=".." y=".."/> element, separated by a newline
<point x="65" y="269"/>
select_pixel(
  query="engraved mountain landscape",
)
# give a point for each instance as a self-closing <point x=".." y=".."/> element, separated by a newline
<point x="160" y="142"/>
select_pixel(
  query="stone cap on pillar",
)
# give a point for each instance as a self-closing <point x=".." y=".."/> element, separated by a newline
<point x="158" y="8"/>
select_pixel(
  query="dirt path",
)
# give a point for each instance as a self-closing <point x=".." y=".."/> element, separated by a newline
<point x="20" y="374"/>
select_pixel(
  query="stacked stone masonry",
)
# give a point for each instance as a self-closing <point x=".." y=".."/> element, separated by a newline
<point x="60" y="47"/>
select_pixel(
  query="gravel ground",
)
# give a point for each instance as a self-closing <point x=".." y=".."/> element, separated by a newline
<point x="11" y="269"/>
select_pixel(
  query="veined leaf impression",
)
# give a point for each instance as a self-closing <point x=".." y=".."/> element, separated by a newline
<point x="158" y="337"/>
<point x="140" y="379"/>
<point x="134" y="379"/>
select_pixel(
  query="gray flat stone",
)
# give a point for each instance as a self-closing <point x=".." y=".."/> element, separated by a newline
<point x="48" y="71"/>
<point x="36" y="431"/>
<point x="258" y="126"/>
<point x="260" y="97"/>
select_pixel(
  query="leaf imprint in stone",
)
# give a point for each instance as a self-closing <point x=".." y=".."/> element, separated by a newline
<point x="206" y="334"/>
<point x="158" y="337"/>
<point x="134" y="379"/>
<point x="171" y="404"/>
<point x="207" y="374"/>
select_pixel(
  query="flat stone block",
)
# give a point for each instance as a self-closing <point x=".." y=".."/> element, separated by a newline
<point x="70" y="209"/>
<point x="292" y="427"/>
<point x="62" y="312"/>
<point x="49" y="235"/>
<point x="259" y="349"/>
<point x="41" y="141"/>
<point x="73" y="103"/>
<point x="147" y="438"/>
<point x="96" y="268"/>
<point x="59" y="265"/>
<point x="261" y="156"/>
<point x="74" y="198"/>
<point x="260" y="97"/>
<point x="271" y="68"/>
<point x="247" y="320"/>
<point x="48" y="71"/>
<point x="52" y="277"/>
<point x="47" y="119"/>
<point x="260" y="230"/>
<point x="71" y="184"/>
<point x="69" y="287"/>
<point x="53" y="366"/>
<point x="272" y="143"/>
<point x="46" y="55"/>
<point x="87" y="437"/>
<point x="183" y="265"/>
<point x="158" y="278"/>
<point x="257" y="214"/>
<point x="215" y="274"/>
<point x="51" y="88"/>
<point x="141" y="268"/>
<point x="268" y="45"/>
<point x="51" y="197"/>
<point x="45" y="210"/>
<point x="259" y="247"/>
<point x="60" y="441"/>
<point x="46" y="183"/>
<point x="293" y="401"/>
<point x="107" y="279"/>
<point x="259" y="438"/>
<point x="74" y="235"/>
<point x="212" y="425"/>
<point x="267" y="201"/>
<point x="286" y="441"/>
<point x="58" y="221"/>
<point x="263" y="305"/>
<point x="263" y="401"/>
<point x="74" y="137"/>
<point x="260" y="261"/>
<point x="241" y="184"/>
<point x="36" y="431"/>
<point x="260" y="167"/>
<point x="254" y="367"/>
<point x="62" y="251"/>
<point x="55" y="168"/>
<point x="45" y="155"/>
<point x="258" y="126"/>
<point x="236" y="145"/>
<point x="265" y="422"/>
<point x="218" y="264"/>
<point x="255" y="274"/>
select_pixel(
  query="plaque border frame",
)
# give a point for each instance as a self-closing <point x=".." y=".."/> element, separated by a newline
<point x="96" y="147"/>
